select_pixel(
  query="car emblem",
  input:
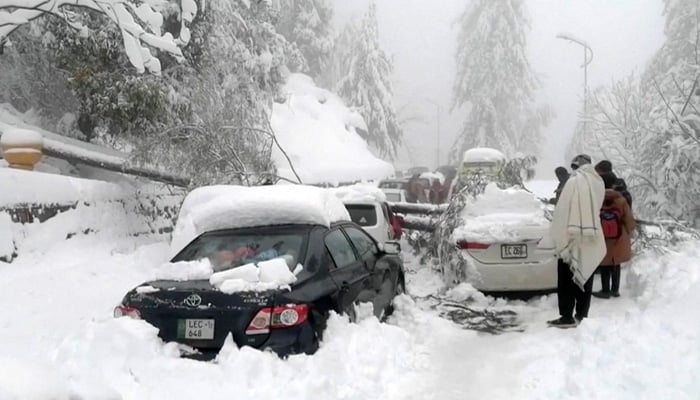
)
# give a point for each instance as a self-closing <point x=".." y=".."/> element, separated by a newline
<point x="193" y="300"/>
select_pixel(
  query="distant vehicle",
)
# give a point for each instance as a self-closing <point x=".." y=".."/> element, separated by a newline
<point x="395" y="195"/>
<point x="484" y="160"/>
<point x="515" y="258"/>
<point x="336" y="266"/>
<point x="394" y="189"/>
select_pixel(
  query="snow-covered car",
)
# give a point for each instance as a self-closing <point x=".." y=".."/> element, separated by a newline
<point x="483" y="160"/>
<point x="265" y="268"/>
<point x="499" y="242"/>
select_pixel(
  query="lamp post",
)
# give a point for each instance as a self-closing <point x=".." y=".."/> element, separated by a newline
<point x="587" y="58"/>
<point x="437" y="155"/>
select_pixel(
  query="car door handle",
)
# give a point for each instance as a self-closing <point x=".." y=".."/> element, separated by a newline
<point x="344" y="287"/>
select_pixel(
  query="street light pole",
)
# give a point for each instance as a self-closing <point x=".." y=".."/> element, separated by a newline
<point x="587" y="58"/>
<point x="437" y="151"/>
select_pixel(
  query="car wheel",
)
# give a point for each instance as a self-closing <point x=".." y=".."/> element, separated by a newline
<point x="319" y="321"/>
<point x="398" y="290"/>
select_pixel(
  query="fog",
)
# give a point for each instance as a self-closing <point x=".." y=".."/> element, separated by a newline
<point x="421" y="38"/>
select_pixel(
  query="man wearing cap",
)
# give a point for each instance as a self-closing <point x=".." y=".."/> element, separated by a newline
<point x="579" y="240"/>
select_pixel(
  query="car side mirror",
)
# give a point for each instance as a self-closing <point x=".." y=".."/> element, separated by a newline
<point x="390" y="247"/>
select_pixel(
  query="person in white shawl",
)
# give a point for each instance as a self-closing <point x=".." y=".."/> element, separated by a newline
<point x="579" y="240"/>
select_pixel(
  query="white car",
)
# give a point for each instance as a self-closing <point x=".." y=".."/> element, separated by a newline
<point x="373" y="217"/>
<point x="368" y="208"/>
<point x="394" y="190"/>
<point x="503" y="237"/>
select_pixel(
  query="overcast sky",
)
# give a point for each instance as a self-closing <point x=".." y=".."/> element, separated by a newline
<point x="421" y="35"/>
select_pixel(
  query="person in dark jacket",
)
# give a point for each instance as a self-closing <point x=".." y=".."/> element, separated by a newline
<point x="605" y="167"/>
<point x="619" y="248"/>
<point x="562" y="175"/>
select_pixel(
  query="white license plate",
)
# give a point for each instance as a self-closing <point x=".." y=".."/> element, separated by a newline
<point x="198" y="329"/>
<point x="513" y="251"/>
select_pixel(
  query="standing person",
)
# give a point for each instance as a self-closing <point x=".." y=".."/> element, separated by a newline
<point x="562" y="175"/>
<point x="579" y="241"/>
<point x="618" y="224"/>
<point x="411" y="190"/>
<point x="605" y="167"/>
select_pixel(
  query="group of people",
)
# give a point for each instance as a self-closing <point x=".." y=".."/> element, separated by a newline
<point x="592" y="227"/>
<point x="422" y="190"/>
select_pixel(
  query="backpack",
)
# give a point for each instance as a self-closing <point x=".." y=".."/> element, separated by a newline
<point x="611" y="222"/>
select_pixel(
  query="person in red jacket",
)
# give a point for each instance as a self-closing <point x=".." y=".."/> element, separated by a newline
<point x="618" y="226"/>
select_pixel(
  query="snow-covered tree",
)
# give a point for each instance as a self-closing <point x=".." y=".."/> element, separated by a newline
<point x="140" y="23"/>
<point x="495" y="83"/>
<point x="364" y="71"/>
<point x="223" y="96"/>
<point x="650" y="127"/>
<point x="307" y="25"/>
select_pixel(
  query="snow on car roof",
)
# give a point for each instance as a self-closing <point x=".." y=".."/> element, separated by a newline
<point x="481" y="154"/>
<point x="213" y="208"/>
<point x="501" y="215"/>
<point x="359" y="193"/>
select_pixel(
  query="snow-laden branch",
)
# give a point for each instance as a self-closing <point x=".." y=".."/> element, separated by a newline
<point x="140" y="24"/>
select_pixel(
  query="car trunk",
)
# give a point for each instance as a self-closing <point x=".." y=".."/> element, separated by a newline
<point x="525" y="250"/>
<point x="194" y="314"/>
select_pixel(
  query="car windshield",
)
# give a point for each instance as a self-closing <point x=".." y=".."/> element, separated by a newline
<point x="227" y="250"/>
<point x="362" y="214"/>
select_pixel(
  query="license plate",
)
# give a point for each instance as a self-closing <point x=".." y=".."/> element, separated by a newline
<point x="198" y="329"/>
<point x="513" y="251"/>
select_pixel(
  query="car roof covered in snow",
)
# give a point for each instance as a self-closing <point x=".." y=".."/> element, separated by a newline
<point x="212" y="208"/>
<point x="482" y="154"/>
<point x="359" y="194"/>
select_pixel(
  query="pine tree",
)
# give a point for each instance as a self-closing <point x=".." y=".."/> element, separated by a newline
<point x="307" y="25"/>
<point x="365" y="83"/>
<point x="495" y="81"/>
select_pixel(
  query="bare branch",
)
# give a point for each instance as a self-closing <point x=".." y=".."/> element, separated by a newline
<point x="680" y="123"/>
<point x="690" y="95"/>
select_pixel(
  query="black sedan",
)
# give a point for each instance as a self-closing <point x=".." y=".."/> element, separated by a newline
<point x="336" y="268"/>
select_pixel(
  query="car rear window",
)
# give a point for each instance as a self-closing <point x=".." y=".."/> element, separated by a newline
<point x="393" y="197"/>
<point x="362" y="214"/>
<point x="228" y="250"/>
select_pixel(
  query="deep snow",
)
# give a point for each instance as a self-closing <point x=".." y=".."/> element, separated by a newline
<point x="59" y="340"/>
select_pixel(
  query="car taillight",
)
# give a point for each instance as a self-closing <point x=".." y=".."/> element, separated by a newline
<point x="278" y="318"/>
<point x="472" y="245"/>
<point x="124" y="311"/>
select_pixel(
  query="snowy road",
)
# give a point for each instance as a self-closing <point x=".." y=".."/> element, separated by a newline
<point x="60" y="341"/>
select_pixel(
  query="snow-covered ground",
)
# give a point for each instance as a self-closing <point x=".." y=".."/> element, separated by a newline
<point x="58" y="339"/>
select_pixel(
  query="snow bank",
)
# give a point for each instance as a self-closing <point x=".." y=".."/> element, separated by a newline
<point x="482" y="154"/>
<point x="318" y="132"/>
<point x="359" y="192"/>
<point x="502" y="215"/>
<point x="258" y="277"/>
<point x="213" y="208"/>
<point x="41" y="188"/>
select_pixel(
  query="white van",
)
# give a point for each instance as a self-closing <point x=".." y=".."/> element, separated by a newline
<point x="484" y="160"/>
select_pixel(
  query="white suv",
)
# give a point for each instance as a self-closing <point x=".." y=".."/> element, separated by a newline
<point x="373" y="217"/>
